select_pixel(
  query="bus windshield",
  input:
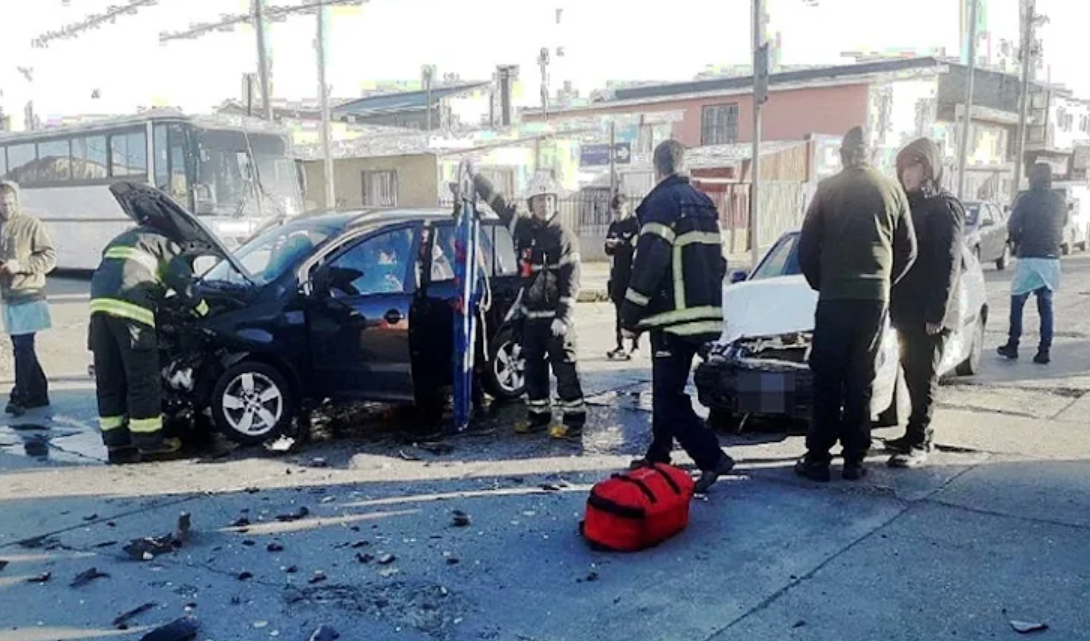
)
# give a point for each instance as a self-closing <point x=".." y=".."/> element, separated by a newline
<point x="237" y="169"/>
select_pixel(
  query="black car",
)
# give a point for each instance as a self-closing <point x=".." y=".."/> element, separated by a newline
<point x="341" y="306"/>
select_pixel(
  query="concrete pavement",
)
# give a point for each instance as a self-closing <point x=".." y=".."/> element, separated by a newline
<point x="995" y="530"/>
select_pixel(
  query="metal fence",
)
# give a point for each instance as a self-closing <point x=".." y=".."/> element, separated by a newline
<point x="783" y="205"/>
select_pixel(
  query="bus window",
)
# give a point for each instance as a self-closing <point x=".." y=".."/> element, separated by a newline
<point x="179" y="184"/>
<point x="22" y="165"/>
<point x="89" y="158"/>
<point x="55" y="161"/>
<point x="129" y="154"/>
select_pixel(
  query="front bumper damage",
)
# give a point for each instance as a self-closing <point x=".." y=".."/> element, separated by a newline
<point x="761" y="376"/>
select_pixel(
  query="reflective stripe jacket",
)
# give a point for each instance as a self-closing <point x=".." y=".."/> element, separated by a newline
<point x="138" y="268"/>
<point x="548" y="258"/>
<point x="677" y="279"/>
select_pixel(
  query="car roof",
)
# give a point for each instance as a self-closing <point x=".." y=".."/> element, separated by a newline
<point x="344" y="220"/>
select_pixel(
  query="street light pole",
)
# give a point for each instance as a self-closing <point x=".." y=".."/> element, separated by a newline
<point x="760" y="93"/>
<point x="1028" y="18"/>
<point x="323" y="96"/>
<point x="967" y="118"/>
<point x="262" y="58"/>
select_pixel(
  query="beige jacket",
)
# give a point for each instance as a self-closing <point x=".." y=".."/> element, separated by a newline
<point x="25" y="239"/>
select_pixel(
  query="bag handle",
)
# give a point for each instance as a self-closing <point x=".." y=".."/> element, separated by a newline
<point x="669" y="480"/>
<point x="640" y="484"/>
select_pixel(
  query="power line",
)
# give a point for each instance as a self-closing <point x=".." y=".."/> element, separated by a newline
<point x="92" y="21"/>
<point x="228" y="22"/>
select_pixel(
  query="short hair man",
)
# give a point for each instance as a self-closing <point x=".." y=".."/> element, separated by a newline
<point x="676" y="293"/>
<point x="620" y="246"/>
<point x="856" y="242"/>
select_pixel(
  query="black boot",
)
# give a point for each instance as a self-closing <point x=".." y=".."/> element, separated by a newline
<point x="811" y="468"/>
<point x="854" y="470"/>
<point x="708" y="478"/>
<point x="899" y="445"/>
<point x="1008" y="351"/>
<point x="1043" y="357"/>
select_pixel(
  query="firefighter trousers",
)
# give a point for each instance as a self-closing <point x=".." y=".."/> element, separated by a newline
<point x="542" y="350"/>
<point x="126" y="356"/>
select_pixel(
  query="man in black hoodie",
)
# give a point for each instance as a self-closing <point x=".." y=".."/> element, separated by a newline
<point x="923" y="305"/>
<point x="620" y="246"/>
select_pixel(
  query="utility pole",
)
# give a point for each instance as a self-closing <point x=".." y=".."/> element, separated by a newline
<point x="543" y="62"/>
<point x="323" y="96"/>
<point x="262" y="57"/>
<point x="967" y="118"/>
<point x="1029" y="11"/>
<point x="612" y="157"/>
<point x="760" y="95"/>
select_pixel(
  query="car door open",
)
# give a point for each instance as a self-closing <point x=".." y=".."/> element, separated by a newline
<point x="358" y="317"/>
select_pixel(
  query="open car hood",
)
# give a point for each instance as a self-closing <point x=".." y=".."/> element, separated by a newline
<point x="171" y="219"/>
<point x="767" y="307"/>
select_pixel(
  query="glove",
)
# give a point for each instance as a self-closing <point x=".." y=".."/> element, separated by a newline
<point x="559" y="328"/>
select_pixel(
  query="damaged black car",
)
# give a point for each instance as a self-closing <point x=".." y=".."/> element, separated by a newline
<point x="346" y="306"/>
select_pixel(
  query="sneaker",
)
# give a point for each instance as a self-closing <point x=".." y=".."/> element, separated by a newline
<point x="619" y="354"/>
<point x="1043" y="357"/>
<point x="854" y="470"/>
<point x="708" y="478"/>
<point x="899" y="445"/>
<point x="913" y="458"/>
<point x="566" y="433"/>
<point x="122" y="455"/>
<point x="166" y="448"/>
<point x="1008" y="351"/>
<point x="813" y="470"/>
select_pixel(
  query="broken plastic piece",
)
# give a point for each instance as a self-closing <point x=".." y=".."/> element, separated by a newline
<point x="324" y="633"/>
<point x="461" y="519"/>
<point x="125" y="617"/>
<point x="1027" y="627"/>
<point x="181" y="630"/>
<point x="83" y="578"/>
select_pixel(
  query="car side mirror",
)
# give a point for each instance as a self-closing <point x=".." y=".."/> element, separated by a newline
<point x="738" y="275"/>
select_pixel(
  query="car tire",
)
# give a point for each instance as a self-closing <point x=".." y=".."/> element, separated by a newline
<point x="505" y="378"/>
<point x="1005" y="259"/>
<point x="722" y="420"/>
<point x="252" y="403"/>
<point x="971" y="366"/>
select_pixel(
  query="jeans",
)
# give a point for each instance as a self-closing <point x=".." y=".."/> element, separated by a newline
<point x="673" y="416"/>
<point x="921" y="356"/>
<point x="31" y="385"/>
<point x="843" y="358"/>
<point x="1044" y="310"/>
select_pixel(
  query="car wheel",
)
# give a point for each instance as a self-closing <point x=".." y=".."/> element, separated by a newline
<point x="972" y="363"/>
<point x="252" y="403"/>
<point x="722" y="420"/>
<point x="506" y="375"/>
<point x="1005" y="259"/>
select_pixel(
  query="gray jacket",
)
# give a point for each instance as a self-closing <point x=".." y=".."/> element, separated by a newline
<point x="1037" y="225"/>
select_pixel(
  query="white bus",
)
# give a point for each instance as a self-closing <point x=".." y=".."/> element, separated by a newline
<point x="235" y="173"/>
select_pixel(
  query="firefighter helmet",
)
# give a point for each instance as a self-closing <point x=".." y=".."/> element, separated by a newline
<point x="542" y="184"/>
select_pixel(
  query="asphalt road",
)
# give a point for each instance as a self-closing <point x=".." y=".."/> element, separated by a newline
<point x="995" y="530"/>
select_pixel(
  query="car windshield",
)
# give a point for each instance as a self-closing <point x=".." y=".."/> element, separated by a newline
<point x="271" y="254"/>
<point x="972" y="214"/>
<point x="782" y="260"/>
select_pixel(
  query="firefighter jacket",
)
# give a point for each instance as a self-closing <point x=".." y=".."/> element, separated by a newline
<point x="548" y="258"/>
<point x="677" y="279"/>
<point x="138" y="268"/>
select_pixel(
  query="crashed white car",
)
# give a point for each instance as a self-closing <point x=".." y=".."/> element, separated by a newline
<point x="758" y="367"/>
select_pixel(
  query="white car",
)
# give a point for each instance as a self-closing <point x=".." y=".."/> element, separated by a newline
<point x="758" y="367"/>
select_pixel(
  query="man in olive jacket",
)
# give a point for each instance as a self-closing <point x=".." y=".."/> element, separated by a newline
<point x="924" y="306"/>
<point x="857" y="240"/>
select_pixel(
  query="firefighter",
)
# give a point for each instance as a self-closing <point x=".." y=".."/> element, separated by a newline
<point x="676" y="293"/>
<point x="549" y="264"/>
<point x="138" y="268"/>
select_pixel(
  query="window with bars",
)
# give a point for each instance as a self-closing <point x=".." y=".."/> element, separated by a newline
<point x="380" y="188"/>
<point x="719" y="125"/>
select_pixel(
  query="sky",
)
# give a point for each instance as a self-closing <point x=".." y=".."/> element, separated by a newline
<point x="390" y="39"/>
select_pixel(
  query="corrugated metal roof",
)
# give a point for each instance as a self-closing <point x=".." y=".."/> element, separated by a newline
<point x="802" y="75"/>
<point x="402" y="100"/>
